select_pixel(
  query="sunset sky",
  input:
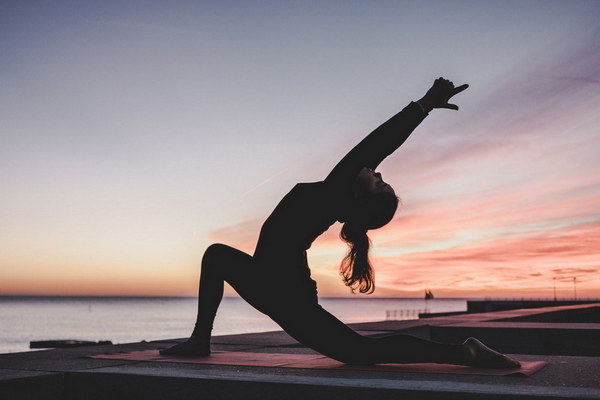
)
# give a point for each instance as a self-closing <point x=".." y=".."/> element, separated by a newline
<point x="133" y="134"/>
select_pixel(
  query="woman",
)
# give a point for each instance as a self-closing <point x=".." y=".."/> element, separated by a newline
<point x="276" y="279"/>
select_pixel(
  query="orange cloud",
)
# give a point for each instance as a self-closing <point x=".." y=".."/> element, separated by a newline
<point x="519" y="263"/>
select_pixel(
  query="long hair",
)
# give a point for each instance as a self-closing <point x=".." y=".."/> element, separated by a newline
<point x="371" y="212"/>
<point x="356" y="269"/>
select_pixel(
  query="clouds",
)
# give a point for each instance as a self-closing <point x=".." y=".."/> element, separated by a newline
<point x="528" y="261"/>
<point x="533" y="113"/>
<point x="156" y="129"/>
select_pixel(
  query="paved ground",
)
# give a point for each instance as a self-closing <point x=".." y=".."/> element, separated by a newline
<point x="573" y="370"/>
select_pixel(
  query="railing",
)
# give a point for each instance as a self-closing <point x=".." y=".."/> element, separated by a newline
<point x="402" y="315"/>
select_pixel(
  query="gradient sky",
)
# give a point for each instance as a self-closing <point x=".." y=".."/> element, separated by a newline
<point x="135" y="133"/>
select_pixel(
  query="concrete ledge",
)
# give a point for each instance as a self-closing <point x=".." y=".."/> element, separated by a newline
<point x="148" y="386"/>
<point x="482" y="306"/>
<point x="30" y="385"/>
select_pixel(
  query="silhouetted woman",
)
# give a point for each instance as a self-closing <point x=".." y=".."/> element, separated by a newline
<point x="276" y="279"/>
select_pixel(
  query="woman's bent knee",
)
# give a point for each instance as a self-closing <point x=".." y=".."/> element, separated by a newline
<point x="215" y="251"/>
<point x="228" y="263"/>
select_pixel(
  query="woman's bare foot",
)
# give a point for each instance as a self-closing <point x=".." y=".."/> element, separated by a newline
<point x="479" y="355"/>
<point x="191" y="347"/>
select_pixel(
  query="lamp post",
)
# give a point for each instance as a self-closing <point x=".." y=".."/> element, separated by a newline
<point x="575" y="287"/>
<point x="554" y="280"/>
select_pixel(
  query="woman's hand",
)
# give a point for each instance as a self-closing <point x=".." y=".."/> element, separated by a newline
<point x="439" y="94"/>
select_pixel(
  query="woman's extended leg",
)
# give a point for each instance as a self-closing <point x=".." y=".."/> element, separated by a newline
<point x="220" y="264"/>
<point x="323" y="332"/>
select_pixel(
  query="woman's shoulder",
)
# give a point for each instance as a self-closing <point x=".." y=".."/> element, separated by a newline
<point x="319" y="186"/>
<point x="321" y="190"/>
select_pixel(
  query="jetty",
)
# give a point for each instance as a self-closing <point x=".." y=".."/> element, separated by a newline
<point x="272" y="365"/>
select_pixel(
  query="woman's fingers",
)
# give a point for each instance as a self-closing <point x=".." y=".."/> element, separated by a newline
<point x="459" y="89"/>
<point x="453" y="92"/>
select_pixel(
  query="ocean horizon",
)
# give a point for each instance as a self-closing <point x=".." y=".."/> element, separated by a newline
<point x="127" y="319"/>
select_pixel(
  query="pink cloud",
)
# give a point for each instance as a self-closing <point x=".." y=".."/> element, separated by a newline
<point x="520" y="262"/>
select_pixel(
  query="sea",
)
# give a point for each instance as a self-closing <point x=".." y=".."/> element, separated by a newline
<point x="134" y="319"/>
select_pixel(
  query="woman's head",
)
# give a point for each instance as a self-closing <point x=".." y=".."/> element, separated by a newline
<point x="374" y="202"/>
<point x="369" y="182"/>
<point x="373" y="206"/>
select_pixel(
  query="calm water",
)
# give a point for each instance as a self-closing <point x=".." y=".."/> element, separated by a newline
<point x="124" y="320"/>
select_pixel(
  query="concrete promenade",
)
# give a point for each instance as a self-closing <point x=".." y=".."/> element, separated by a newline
<point x="567" y="337"/>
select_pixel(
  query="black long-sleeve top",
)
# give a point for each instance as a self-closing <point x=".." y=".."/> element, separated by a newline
<point x="309" y="209"/>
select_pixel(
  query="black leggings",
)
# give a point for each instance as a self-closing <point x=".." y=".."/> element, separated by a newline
<point x="304" y="320"/>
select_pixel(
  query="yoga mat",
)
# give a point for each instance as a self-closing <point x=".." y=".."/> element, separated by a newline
<point x="316" y="361"/>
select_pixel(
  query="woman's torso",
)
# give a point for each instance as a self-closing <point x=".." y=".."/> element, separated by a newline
<point x="307" y="211"/>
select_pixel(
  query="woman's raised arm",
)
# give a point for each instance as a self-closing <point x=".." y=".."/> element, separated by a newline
<point x="384" y="140"/>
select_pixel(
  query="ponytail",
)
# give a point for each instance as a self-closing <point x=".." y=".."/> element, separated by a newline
<point x="356" y="269"/>
<point x="365" y="213"/>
